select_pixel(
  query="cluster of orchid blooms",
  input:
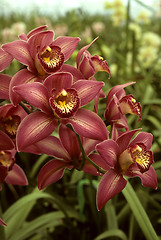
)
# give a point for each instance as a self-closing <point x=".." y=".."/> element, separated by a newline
<point x="47" y="94"/>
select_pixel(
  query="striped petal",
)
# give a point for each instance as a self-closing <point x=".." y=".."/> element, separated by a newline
<point x="34" y="128"/>
<point x="109" y="151"/>
<point x="21" y="77"/>
<point x="88" y="124"/>
<point x="87" y="90"/>
<point x="4" y="83"/>
<point x="20" y="51"/>
<point x="67" y="45"/>
<point x="16" y="176"/>
<point x="58" y="81"/>
<point x="36" y="94"/>
<point x="110" y="185"/>
<point x="5" y="59"/>
<point x="51" y="172"/>
<point x="52" y="146"/>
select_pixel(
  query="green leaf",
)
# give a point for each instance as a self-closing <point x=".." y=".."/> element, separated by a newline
<point x="40" y="223"/>
<point x="112" y="233"/>
<point x="111" y="215"/>
<point x="76" y="176"/>
<point x="154" y="121"/>
<point x="139" y="213"/>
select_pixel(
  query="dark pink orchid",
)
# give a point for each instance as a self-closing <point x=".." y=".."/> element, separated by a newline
<point x="124" y="157"/>
<point x="10" y="172"/>
<point x="119" y="104"/>
<point x="87" y="67"/>
<point x="40" y="53"/>
<point x="59" y="100"/>
<point x="10" y="118"/>
<point x="67" y="154"/>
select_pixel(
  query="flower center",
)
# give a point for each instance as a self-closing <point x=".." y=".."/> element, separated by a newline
<point x="5" y="159"/>
<point x="66" y="103"/>
<point x="129" y="105"/>
<point x="9" y="125"/>
<point x="50" y="60"/>
<point x="142" y="157"/>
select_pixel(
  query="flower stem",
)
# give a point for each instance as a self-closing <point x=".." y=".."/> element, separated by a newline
<point x="84" y="155"/>
<point x="25" y="107"/>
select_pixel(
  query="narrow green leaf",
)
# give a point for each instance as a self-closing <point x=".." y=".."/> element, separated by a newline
<point x="42" y="222"/>
<point x="112" y="233"/>
<point x="111" y="216"/>
<point x="139" y="213"/>
<point x="16" y="221"/>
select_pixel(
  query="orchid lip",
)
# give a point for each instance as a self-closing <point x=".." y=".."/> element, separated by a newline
<point x="6" y="159"/>
<point x="65" y="103"/>
<point x="10" y="125"/>
<point x="49" y="60"/>
<point x="143" y="158"/>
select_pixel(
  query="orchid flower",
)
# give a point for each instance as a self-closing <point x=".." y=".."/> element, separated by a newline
<point x="10" y="118"/>
<point x="119" y="104"/>
<point x="10" y="172"/>
<point x="124" y="157"/>
<point x="67" y="153"/>
<point x="59" y="100"/>
<point x="40" y="53"/>
<point x="87" y="67"/>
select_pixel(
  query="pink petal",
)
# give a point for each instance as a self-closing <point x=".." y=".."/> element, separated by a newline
<point x="88" y="124"/>
<point x="145" y="138"/>
<point x="89" y="145"/>
<point x="67" y="45"/>
<point x="19" y="50"/>
<point x="116" y="89"/>
<point x="100" y="65"/>
<point x="109" y="151"/>
<point x="51" y="172"/>
<point x="5" y="142"/>
<point x="58" y="81"/>
<point x="3" y="174"/>
<point x="36" y="94"/>
<point x="98" y="160"/>
<point x="42" y="40"/>
<point x="148" y="178"/>
<point x="87" y="90"/>
<point x="125" y="138"/>
<point x="2" y="222"/>
<point x="69" y="141"/>
<point x="4" y="83"/>
<point x="5" y="59"/>
<point x="34" y="128"/>
<point x="16" y="176"/>
<point x="21" y="77"/>
<point x="36" y="30"/>
<point x="82" y="50"/>
<point x="74" y="71"/>
<point x="86" y="67"/>
<point x="110" y="185"/>
<point x="23" y="37"/>
<point x="53" y="147"/>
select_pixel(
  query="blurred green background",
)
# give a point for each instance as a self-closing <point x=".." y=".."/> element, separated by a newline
<point x="130" y="41"/>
